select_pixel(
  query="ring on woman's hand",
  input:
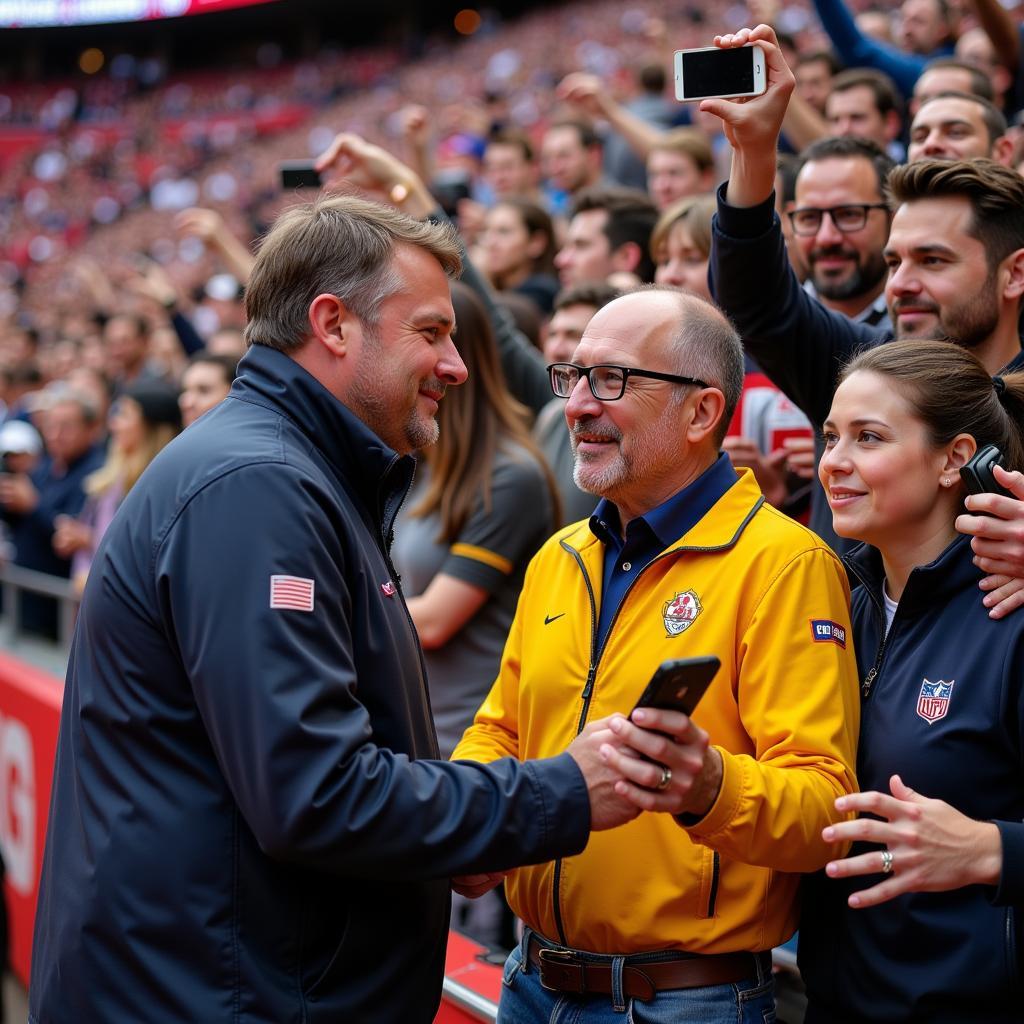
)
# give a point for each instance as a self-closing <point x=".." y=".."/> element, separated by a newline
<point x="886" y="862"/>
<point x="666" y="778"/>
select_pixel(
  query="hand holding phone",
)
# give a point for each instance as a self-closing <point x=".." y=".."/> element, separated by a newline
<point x="977" y="474"/>
<point x="679" y="684"/>
<point x="710" y="71"/>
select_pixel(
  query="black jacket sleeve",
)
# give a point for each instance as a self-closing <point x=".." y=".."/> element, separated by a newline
<point x="795" y="340"/>
<point x="282" y="701"/>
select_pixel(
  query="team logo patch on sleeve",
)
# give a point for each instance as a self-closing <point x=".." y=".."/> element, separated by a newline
<point x="825" y="631"/>
<point x="933" y="703"/>
<point x="680" y="613"/>
<point x="291" y="593"/>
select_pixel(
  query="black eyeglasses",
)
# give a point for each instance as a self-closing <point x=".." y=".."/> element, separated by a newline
<point x="852" y="217"/>
<point x="607" y="383"/>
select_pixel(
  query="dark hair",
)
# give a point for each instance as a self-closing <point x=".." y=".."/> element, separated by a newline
<point x="883" y="88"/>
<point x="652" y="78"/>
<point x="584" y="130"/>
<point x="820" y="57"/>
<point x="516" y="139"/>
<point x="228" y="365"/>
<point x="536" y="220"/>
<point x="848" y="147"/>
<point x="922" y="371"/>
<point x="631" y="218"/>
<point x="995" y="192"/>
<point x="476" y="420"/>
<point x="981" y="84"/>
<point x="995" y="121"/>
<point x="787" y="167"/>
<point x="587" y="293"/>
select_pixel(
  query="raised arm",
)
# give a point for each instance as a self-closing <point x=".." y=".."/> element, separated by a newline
<point x="858" y="50"/>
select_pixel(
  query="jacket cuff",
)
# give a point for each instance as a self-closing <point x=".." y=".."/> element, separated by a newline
<point x="563" y="803"/>
<point x="1010" y="889"/>
<point x="744" y="221"/>
<point x="722" y="810"/>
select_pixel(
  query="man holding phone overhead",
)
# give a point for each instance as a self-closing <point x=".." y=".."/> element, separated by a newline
<point x="678" y="910"/>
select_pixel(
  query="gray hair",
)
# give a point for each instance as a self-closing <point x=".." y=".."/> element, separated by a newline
<point x="339" y="245"/>
<point x="707" y="346"/>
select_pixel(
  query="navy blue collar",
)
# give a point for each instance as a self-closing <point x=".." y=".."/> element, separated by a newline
<point x="673" y="518"/>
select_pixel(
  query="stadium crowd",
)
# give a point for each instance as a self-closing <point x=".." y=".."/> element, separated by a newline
<point x="861" y="214"/>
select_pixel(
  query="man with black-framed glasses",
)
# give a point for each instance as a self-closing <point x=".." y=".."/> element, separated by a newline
<point x="676" y="914"/>
<point x="840" y="224"/>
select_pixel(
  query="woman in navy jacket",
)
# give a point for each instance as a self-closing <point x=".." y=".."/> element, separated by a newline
<point x="932" y="933"/>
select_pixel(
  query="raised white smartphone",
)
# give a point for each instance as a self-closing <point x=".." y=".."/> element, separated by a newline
<point x="710" y="71"/>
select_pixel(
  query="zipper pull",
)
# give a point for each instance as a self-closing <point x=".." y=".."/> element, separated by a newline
<point x="589" y="687"/>
<point x="865" y="687"/>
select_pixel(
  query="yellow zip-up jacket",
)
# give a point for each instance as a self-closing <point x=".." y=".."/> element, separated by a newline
<point x="767" y="597"/>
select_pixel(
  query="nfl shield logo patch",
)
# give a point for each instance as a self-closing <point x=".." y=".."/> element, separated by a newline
<point x="933" y="703"/>
<point x="679" y="613"/>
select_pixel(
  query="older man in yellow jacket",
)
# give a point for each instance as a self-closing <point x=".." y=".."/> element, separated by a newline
<point x="674" y="914"/>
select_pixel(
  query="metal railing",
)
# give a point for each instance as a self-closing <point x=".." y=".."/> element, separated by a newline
<point x="13" y="580"/>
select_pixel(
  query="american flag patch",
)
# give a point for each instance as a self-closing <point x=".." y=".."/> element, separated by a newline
<point x="291" y="592"/>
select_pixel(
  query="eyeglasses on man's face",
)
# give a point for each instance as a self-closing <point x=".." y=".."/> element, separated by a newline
<point x="607" y="383"/>
<point x="852" y="217"/>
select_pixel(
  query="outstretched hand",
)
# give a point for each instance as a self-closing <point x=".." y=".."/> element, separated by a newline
<point x="934" y="847"/>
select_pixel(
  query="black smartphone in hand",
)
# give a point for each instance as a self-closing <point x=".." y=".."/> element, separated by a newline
<point x="299" y="174"/>
<point x="679" y="684"/>
<point x="977" y="474"/>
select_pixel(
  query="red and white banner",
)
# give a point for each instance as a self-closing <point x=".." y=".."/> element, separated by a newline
<point x="45" y="13"/>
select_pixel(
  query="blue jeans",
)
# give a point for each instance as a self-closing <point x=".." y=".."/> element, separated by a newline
<point x="525" y="1001"/>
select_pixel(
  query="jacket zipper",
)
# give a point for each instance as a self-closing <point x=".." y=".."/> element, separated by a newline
<point x="869" y="680"/>
<point x="713" y="895"/>
<point x="588" y="686"/>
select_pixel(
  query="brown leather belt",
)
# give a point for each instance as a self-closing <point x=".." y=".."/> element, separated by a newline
<point x="565" y="970"/>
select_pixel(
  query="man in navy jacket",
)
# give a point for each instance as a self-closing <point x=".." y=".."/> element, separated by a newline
<point x="246" y="824"/>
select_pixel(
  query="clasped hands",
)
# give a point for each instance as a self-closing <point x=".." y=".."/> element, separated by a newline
<point x="656" y="760"/>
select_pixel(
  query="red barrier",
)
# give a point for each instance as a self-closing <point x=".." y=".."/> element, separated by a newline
<point x="29" y="720"/>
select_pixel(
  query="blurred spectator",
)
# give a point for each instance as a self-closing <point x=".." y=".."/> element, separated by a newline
<point x="142" y="421"/>
<point x="574" y="307"/>
<point x="517" y="249"/>
<point x="864" y="103"/>
<point x="570" y="161"/>
<point x="680" y="164"/>
<point x="948" y="75"/>
<point x="610" y="232"/>
<point x="925" y="31"/>
<point x="30" y="503"/>
<point x="510" y="167"/>
<point x="814" y="73"/>
<point x="204" y="384"/>
<point x="126" y="342"/>
<point x="621" y="163"/>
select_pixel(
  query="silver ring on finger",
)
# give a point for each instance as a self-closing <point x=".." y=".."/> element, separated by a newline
<point x="666" y="778"/>
<point x="887" y="859"/>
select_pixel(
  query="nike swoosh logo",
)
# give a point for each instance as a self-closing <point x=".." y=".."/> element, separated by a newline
<point x="548" y="619"/>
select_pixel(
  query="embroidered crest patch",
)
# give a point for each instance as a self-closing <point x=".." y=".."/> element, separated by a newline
<point x="679" y="613"/>
<point x="933" y="703"/>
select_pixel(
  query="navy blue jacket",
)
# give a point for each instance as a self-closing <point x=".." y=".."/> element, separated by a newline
<point x="800" y="344"/>
<point x="242" y="826"/>
<point x="940" y="958"/>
